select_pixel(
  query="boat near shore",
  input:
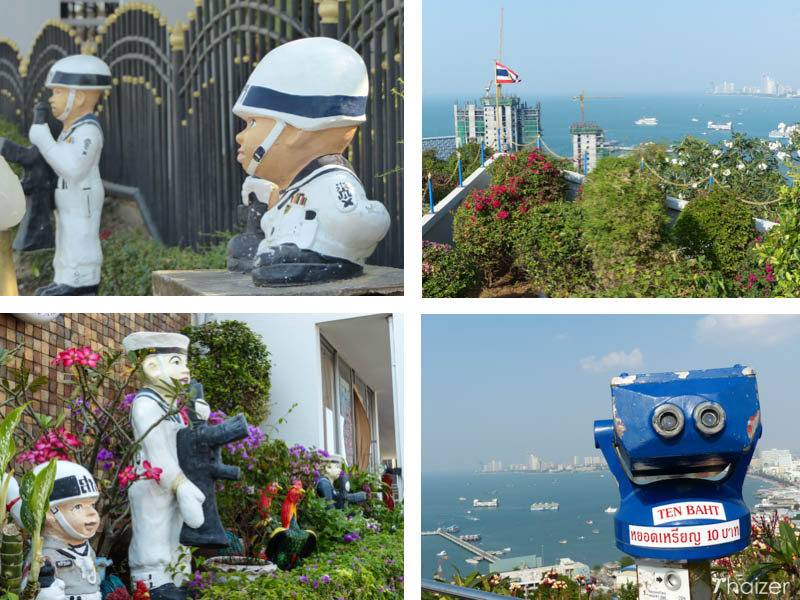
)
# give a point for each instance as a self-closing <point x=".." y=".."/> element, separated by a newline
<point x="544" y="506"/>
<point x="720" y="126"/>
<point x="647" y="121"/>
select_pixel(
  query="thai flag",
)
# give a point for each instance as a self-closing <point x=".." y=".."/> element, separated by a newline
<point x="505" y="75"/>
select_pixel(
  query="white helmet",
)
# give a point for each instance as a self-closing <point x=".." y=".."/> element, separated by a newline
<point x="311" y="84"/>
<point x="72" y="482"/>
<point x="80" y="72"/>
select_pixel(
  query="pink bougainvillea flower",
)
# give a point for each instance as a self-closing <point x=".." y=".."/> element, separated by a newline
<point x="151" y="472"/>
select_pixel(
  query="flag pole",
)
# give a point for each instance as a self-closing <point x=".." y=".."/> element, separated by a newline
<point x="498" y="116"/>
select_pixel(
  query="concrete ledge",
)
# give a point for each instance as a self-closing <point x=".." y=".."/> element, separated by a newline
<point x="376" y="281"/>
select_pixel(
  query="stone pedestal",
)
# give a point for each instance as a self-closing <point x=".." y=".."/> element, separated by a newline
<point x="376" y="281"/>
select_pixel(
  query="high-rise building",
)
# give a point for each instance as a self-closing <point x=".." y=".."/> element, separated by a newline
<point x="776" y="458"/>
<point x="519" y="124"/>
<point x="533" y="462"/>
<point x="587" y="146"/>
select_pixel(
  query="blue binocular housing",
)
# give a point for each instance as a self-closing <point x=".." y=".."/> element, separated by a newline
<point x="679" y="445"/>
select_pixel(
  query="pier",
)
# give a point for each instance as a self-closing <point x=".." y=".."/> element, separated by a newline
<point x="481" y="554"/>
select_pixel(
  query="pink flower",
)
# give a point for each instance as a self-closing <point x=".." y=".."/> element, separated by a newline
<point x="502" y="215"/>
<point x="83" y="356"/>
<point x="151" y="472"/>
<point x="126" y="476"/>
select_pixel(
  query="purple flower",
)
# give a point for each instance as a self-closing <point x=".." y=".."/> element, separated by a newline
<point x="303" y="579"/>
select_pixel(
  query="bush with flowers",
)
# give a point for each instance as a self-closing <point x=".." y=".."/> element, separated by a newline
<point x="484" y="224"/>
<point x="447" y="272"/>
<point x="780" y="249"/>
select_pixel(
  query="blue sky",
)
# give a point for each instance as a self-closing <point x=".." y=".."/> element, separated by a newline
<point x="503" y="386"/>
<point x="618" y="46"/>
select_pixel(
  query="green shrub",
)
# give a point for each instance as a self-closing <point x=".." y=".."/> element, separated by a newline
<point x="483" y="226"/>
<point x="232" y="363"/>
<point x="366" y="569"/>
<point x="12" y="132"/>
<point x="551" y="250"/>
<point x="447" y="272"/>
<point x="780" y="250"/>
<point x="716" y="224"/>
<point x="626" y="217"/>
<point x="129" y="260"/>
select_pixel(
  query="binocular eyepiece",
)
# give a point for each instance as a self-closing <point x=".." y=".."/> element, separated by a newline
<point x="668" y="419"/>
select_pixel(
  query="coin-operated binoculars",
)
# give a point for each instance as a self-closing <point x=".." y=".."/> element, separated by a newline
<point x="679" y="445"/>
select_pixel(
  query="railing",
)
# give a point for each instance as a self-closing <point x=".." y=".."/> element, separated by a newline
<point x="453" y="591"/>
<point x="168" y="126"/>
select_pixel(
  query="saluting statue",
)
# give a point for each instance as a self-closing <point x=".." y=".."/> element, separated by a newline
<point x="159" y="509"/>
<point x="77" y="83"/>
<point x="302" y="105"/>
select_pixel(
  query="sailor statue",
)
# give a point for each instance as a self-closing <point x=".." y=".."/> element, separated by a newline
<point x="159" y="509"/>
<point x="77" y="83"/>
<point x="302" y="105"/>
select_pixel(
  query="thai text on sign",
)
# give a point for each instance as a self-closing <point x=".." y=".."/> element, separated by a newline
<point x="685" y="537"/>
<point x="679" y="511"/>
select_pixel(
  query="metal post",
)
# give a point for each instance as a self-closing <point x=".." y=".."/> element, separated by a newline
<point x="329" y="17"/>
<point x="710" y="181"/>
<point x="539" y="143"/>
<point x="430" y="191"/>
<point x="585" y="162"/>
<point x="483" y="162"/>
<point x="460" y="176"/>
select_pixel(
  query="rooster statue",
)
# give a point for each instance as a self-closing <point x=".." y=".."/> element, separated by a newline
<point x="289" y="543"/>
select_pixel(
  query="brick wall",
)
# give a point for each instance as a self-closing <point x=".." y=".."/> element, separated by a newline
<point x="101" y="331"/>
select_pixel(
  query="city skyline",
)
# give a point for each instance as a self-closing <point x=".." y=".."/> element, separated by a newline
<point x="504" y="386"/>
<point x="629" y="48"/>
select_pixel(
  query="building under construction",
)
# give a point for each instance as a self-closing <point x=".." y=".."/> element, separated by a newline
<point x="519" y="125"/>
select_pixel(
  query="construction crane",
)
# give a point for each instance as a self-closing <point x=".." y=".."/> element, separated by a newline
<point x="581" y="97"/>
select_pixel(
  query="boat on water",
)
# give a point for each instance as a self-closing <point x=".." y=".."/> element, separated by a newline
<point x="694" y="120"/>
<point x="595" y="531"/>
<point x="471" y="537"/>
<point x="590" y="522"/>
<point x="562" y="541"/>
<point x="472" y="561"/>
<point x="462" y="499"/>
<point x="442" y="553"/>
<point x="506" y="549"/>
<point x="473" y="518"/>
<point x="784" y="131"/>
<point x="720" y="126"/>
<point x="611" y="509"/>
<point x="651" y="121"/>
<point x="452" y="529"/>
<point x="544" y="506"/>
<point x="580" y="537"/>
<point x="493" y="503"/>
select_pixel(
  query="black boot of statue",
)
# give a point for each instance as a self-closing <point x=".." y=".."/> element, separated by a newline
<point x="242" y="247"/>
<point x="62" y="289"/>
<point x="287" y="264"/>
<point x="168" y="591"/>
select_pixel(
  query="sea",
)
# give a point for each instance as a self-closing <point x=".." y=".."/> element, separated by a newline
<point x="753" y="115"/>
<point x="582" y="496"/>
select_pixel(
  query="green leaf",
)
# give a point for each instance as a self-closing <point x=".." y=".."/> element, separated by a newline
<point x="29" y="520"/>
<point x="7" y="427"/>
<point x="42" y="488"/>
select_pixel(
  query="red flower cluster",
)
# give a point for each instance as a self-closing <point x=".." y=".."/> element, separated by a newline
<point x="53" y="444"/>
<point x="82" y="356"/>
<point x="129" y="474"/>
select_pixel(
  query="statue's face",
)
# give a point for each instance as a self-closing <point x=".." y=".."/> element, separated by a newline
<point x="58" y="100"/>
<point x="165" y="367"/>
<point x="81" y="516"/>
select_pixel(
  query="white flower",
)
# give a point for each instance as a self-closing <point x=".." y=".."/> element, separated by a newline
<point x="716" y="152"/>
<point x="729" y="144"/>
<point x="726" y="172"/>
<point x="774" y="146"/>
<point x="680" y="196"/>
<point x="694" y="186"/>
<point x="682" y="162"/>
<point x="667" y="159"/>
<point x="781" y="155"/>
<point x="674" y="161"/>
<point x="740" y="166"/>
<point x="762" y="166"/>
<point x="715" y="165"/>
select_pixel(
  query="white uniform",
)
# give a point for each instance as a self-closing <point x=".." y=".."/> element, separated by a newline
<point x="155" y="517"/>
<point x="75" y="566"/>
<point x="79" y="199"/>
<point x="326" y="210"/>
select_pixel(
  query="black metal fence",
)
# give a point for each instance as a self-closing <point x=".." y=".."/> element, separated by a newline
<point x="168" y="126"/>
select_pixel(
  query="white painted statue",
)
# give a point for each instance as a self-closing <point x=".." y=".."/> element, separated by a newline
<point x="69" y="525"/>
<point x="159" y="509"/>
<point x="12" y="198"/>
<point x="77" y="83"/>
<point x="302" y="105"/>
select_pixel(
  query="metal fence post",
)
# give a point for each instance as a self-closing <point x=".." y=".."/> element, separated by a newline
<point x="329" y="17"/>
<point x="177" y="43"/>
<point x="483" y="162"/>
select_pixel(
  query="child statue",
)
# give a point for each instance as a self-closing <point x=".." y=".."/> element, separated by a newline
<point x="302" y="105"/>
<point x="69" y="525"/>
<point x="77" y="83"/>
<point x="160" y="508"/>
